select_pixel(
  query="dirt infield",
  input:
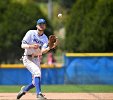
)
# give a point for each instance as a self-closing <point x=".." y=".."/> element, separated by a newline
<point x="60" y="96"/>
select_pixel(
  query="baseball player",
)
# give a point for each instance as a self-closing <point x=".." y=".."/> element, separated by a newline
<point x="35" y="43"/>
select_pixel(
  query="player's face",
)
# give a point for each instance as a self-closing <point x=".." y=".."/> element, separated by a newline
<point x="41" y="27"/>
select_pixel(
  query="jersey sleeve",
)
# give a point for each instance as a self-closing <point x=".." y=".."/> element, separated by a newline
<point x="26" y="38"/>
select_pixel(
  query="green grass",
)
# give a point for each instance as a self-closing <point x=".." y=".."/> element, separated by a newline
<point x="64" y="88"/>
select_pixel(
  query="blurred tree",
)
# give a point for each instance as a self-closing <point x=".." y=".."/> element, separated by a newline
<point x="3" y="7"/>
<point x="16" y="21"/>
<point x="67" y="4"/>
<point x="89" y="27"/>
<point x="41" y="1"/>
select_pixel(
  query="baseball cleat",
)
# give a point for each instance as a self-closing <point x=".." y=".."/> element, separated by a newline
<point x="41" y="97"/>
<point x="21" y="93"/>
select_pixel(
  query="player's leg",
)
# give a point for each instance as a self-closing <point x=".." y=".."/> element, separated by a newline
<point x="33" y="67"/>
<point x="24" y="89"/>
<point x="28" y="87"/>
<point x="37" y="79"/>
<point x="36" y="74"/>
<point x="37" y="82"/>
<point x="37" y="85"/>
<point x="21" y="93"/>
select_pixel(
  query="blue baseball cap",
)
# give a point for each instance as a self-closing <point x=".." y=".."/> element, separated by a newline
<point x="41" y="21"/>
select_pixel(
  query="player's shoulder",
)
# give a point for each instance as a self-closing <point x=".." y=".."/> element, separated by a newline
<point x="45" y="36"/>
<point x="30" y="32"/>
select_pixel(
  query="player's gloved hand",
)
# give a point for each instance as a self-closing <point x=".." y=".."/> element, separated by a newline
<point x="53" y="42"/>
<point x="35" y="46"/>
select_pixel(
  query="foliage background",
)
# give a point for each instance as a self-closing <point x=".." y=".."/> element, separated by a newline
<point x="86" y="25"/>
<point x="16" y="19"/>
<point x="89" y="27"/>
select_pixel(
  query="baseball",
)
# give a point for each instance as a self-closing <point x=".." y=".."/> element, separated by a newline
<point x="60" y="15"/>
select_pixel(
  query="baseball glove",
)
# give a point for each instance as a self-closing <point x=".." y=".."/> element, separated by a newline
<point x="52" y="41"/>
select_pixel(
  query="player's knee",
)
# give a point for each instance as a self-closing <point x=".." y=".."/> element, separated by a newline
<point x="36" y="74"/>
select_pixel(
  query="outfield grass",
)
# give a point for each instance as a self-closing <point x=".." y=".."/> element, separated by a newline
<point x="64" y="88"/>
